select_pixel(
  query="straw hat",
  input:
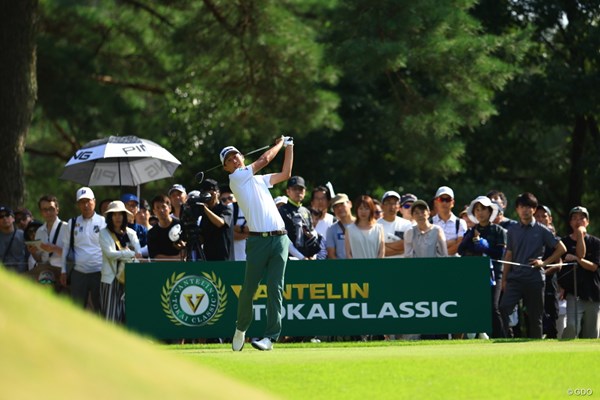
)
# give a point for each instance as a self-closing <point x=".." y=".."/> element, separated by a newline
<point x="116" y="206"/>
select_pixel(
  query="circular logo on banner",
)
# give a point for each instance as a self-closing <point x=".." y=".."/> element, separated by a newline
<point x="193" y="300"/>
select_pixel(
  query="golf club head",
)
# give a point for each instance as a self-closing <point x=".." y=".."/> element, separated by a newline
<point x="200" y="177"/>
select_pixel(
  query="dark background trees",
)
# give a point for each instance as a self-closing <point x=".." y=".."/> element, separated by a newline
<point x="17" y="94"/>
<point x="397" y="95"/>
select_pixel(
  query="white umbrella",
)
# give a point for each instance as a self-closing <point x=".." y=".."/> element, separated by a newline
<point x="120" y="161"/>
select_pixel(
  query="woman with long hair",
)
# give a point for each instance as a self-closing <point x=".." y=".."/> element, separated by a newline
<point x="365" y="237"/>
<point x="120" y="245"/>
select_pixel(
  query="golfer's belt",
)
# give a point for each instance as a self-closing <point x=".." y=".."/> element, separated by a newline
<point x="267" y="234"/>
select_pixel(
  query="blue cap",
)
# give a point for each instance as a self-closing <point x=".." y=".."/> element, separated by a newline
<point x="129" y="197"/>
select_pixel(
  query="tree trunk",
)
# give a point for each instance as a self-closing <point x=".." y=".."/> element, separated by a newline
<point x="18" y="20"/>
<point x="576" y="175"/>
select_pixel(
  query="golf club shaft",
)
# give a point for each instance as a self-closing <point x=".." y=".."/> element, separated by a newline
<point x="200" y="175"/>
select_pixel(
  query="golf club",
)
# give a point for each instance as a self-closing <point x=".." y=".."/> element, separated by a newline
<point x="200" y="175"/>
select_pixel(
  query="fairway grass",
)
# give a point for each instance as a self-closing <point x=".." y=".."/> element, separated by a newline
<point x="51" y="349"/>
<point x="466" y="369"/>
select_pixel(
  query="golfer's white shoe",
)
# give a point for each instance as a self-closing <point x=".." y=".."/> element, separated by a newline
<point x="237" y="344"/>
<point x="263" y="344"/>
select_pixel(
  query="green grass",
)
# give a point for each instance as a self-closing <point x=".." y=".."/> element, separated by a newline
<point x="467" y="369"/>
<point x="53" y="350"/>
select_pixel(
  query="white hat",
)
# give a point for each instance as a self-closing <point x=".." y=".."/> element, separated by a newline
<point x="486" y="202"/>
<point x="178" y="187"/>
<point x="225" y="151"/>
<point x="280" y="199"/>
<point x="390" y="193"/>
<point x="85" y="193"/>
<point x="444" y="190"/>
<point x="116" y="206"/>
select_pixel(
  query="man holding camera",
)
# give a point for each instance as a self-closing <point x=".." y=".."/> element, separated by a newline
<point x="216" y="225"/>
<point x="267" y="244"/>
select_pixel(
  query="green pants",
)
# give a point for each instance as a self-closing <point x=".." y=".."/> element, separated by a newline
<point x="266" y="257"/>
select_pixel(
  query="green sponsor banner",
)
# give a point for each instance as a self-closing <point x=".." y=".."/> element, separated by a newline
<point x="325" y="298"/>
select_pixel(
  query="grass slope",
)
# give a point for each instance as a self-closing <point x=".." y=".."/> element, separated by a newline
<point x="469" y="369"/>
<point x="52" y="350"/>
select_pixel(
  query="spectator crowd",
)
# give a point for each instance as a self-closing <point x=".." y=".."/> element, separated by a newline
<point x="541" y="284"/>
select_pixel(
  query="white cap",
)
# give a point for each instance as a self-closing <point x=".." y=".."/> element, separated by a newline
<point x="444" y="190"/>
<point x="486" y="202"/>
<point x="390" y="193"/>
<point x="85" y="193"/>
<point x="280" y="199"/>
<point x="225" y="151"/>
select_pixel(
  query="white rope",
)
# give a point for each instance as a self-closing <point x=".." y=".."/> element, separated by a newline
<point x="529" y="265"/>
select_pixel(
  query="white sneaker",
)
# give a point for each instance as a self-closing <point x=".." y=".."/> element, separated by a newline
<point x="237" y="344"/>
<point x="483" y="336"/>
<point x="263" y="344"/>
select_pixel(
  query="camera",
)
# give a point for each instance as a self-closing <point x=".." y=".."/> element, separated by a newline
<point x="191" y="211"/>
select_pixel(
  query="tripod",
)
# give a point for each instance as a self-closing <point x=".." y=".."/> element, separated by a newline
<point x="193" y="248"/>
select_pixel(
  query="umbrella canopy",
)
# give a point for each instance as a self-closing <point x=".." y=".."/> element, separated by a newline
<point x="120" y="161"/>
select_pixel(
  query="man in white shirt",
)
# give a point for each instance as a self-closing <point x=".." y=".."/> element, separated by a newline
<point x="85" y="276"/>
<point x="393" y="225"/>
<point x="454" y="227"/>
<point x="50" y="234"/>
<point x="267" y="243"/>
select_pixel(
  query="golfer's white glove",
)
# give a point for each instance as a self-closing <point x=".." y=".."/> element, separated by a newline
<point x="288" y="141"/>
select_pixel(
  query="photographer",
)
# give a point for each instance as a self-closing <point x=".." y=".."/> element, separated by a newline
<point x="216" y="224"/>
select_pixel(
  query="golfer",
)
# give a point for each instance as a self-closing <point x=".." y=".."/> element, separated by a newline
<point x="267" y="244"/>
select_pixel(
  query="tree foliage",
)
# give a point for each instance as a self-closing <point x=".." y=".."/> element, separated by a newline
<point x="389" y="95"/>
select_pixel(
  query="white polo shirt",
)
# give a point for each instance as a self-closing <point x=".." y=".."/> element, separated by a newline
<point x="88" y="253"/>
<point x="255" y="200"/>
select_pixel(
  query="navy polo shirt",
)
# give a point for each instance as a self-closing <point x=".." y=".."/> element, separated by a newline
<point x="528" y="242"/>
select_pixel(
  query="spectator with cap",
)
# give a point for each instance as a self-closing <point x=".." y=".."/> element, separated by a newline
<point x="305" y="242"/>
<point x="393" y="225"/>
<point x="216" y="225"/>
<point x="543" y="216"/>
<point x="160" y="245"/>
<point x="50" y="235"/>
<point x="582" y="287"/>
<point x="454" y="227"/>
<point x="336" y="234"/>
<point x="487" y="239"/>
<point x="132" y="203"/>
<point x="23" y="217"/>
<point x="12" y="242"/>
<point x="424" y="239"/>
<point x="86" y="274"/>
<point x="406" y="202"/>
<point x="523" y="274"/>
<point x="177" y="197"/>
